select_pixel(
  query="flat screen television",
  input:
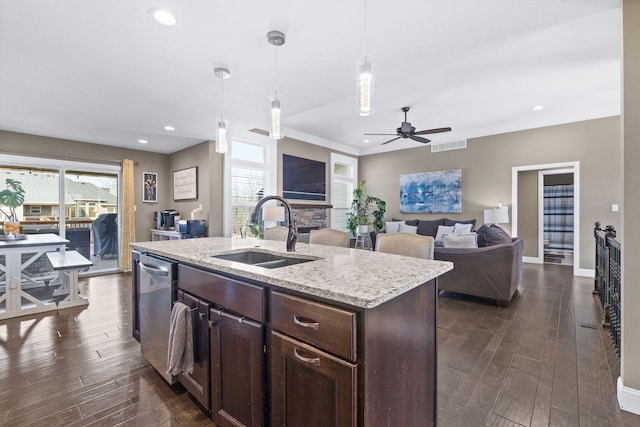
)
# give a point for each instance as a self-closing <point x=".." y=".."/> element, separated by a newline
<point x="303" y="179"/>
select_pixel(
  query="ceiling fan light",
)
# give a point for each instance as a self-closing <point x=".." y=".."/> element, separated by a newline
<point x="275" y="124"/>
<point x="221" y="135"/>
<point x="364" y="86"/>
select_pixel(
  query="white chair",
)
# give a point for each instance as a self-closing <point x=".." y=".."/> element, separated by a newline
<point x="276" y="233"/>
<point x="329" y="237"/>
<point x="406" y="244"/>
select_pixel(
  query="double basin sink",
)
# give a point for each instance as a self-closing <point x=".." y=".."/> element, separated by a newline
<point x="262" y="259"/>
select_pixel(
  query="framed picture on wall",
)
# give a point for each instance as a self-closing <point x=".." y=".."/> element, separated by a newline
<point x="431" y="192"/>
<point x="150" y="187"/>
<point x="185" y="184"/>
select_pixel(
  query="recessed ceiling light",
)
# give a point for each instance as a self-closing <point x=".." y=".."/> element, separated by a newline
<point x="366" y="141"/>
<point x="142" y="141"/>
<point x="538" y="108"/>
<point x="169" y="128"/>
<point x="163" y="17"/>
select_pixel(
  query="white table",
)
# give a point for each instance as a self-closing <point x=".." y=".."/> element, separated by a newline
<point x="13" y="272"/>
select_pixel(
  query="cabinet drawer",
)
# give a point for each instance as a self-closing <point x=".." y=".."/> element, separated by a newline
<point x="327" y="327"/>
<point x="240" y="297"/>
<point x="302" y="374"/>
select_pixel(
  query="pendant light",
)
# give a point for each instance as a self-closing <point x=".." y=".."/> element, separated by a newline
<point x="276" y="38"/>
<point x="221" y="128"/>
<point x="364" y="77"/>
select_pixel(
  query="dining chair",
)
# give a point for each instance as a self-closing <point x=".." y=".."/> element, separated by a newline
<point x="406" y="244"/>
<point x="329" y="237"/>
<point x="276" y="233"/>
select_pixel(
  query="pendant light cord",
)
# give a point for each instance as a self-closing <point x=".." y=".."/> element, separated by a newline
<point x="276" y="70"/>
<point x="221" y="97"/>
<point x="365" y="30"/>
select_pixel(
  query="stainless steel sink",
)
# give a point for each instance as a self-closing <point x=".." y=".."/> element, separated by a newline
<point x="262" y="259"/>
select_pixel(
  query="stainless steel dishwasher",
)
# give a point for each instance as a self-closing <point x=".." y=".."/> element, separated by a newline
<point x="157" y="288"/>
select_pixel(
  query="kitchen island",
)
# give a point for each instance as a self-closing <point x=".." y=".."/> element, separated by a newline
<point x="347" y="338"/>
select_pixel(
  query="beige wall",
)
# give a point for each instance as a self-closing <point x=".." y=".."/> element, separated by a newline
<point x="54" y="148"/>
<point x="528" y="211"/>
<point x="630" y="236"/>
<point x="486" y="171"/>
<point x="197" y="155"/>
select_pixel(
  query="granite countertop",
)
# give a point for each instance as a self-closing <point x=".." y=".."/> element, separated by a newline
<point x="356" y="277"/>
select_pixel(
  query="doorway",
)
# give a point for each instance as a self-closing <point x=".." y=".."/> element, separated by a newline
<point x="528" y="209"/>
<point x="555" y="210"/>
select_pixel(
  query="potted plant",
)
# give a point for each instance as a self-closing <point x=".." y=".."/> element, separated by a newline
<point x="365" y="210"/>
<point x="11" y="197"/>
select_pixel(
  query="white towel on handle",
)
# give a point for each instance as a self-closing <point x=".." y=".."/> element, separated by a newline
<point x="180" y="349"/>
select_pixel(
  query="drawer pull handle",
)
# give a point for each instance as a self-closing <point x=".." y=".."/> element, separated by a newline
<point x="311" y="325"/>
<point x="315" y="361"/>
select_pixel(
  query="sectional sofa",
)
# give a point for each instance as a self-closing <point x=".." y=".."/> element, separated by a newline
<point x="493" y="270"/>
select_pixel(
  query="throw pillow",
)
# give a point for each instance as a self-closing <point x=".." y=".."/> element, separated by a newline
<point x="442" y="229"/>
<point x="429" y="227"/>
<point x="461" y="228"/>
<point x="468" y="240"/>
<point x="406" y="221"/>
<point x="492" y="235"/>
<point x="450" y="222"/>
<point x="391" y="227"/>
<point x="404" y="228"/>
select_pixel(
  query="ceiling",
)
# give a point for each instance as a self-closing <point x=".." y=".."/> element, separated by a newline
<point x="105" y="72"/>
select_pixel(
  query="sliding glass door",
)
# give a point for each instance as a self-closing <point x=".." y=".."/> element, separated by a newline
<point x="77" y="201"/>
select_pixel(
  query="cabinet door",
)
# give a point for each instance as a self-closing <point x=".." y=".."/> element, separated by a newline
<point x="197" y="383"/>
<point x="135" y="297"/>
<point x="237" y="370"/>
<point x="309" y="387"/>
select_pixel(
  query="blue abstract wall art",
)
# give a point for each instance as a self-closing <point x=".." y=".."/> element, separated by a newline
<point x="431" y="192"/>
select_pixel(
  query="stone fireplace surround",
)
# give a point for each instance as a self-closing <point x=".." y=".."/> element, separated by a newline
<point x="310" y="217"/>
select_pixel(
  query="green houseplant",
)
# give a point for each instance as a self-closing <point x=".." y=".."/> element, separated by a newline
<point x="365" y="210"/>
<point x="12" y="197"/>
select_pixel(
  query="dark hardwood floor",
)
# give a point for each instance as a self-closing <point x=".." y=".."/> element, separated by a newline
<point x="540" y="362"/>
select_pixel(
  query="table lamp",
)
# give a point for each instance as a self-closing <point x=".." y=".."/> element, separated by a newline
<point x="499" y="215"/>
<point x="273" y="213"/>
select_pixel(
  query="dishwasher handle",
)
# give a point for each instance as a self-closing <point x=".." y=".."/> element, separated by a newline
<point x="153" y="271"/>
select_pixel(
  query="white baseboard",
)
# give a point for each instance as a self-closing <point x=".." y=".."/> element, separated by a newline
<point x="628" y="398"/>
<point x="586" y="272"/>
<point x="532" y="260"/>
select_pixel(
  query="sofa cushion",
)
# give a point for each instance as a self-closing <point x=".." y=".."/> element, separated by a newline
<point x="407" y="221"/>
<point x="442" y="230"/>
<point x="450" y="222"/>
<point x="461" y="228"/>
<point x="466" y="240"/>
<point x="404" y="228"/>
<point x="492" y="235"/>
<point x="391" y="227"/>
<point x="429" y="227"/>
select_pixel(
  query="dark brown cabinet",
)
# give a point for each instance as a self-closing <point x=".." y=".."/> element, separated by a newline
<point x="135" y="295"/>
<point x="197" y="383"/>
<point x="309" y="387"/>
<point x="237" y="370"/>
<point x="235" y="341"/>
<point x="325" y="364"/>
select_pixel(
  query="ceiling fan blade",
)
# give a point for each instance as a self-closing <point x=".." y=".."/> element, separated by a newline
<point x="391" y="140"/>
<point x="420" y="139"/>
<point x="438" y="130"/>
<point x="389" y="134"/>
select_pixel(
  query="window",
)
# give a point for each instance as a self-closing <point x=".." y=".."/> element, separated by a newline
<point x="344" y="175"/>
<point x="252" y="177"/>
<point x="37" y="210"/>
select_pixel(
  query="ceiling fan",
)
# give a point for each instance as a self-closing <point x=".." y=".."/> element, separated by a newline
<point x="407" y="131"/>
